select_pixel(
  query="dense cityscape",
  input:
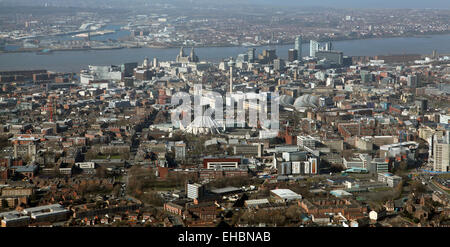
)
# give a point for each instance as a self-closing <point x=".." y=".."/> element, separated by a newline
<point x="332" y="140"/>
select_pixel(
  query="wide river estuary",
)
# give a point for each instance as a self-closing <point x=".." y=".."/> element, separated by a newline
<point x="74" y="61"/>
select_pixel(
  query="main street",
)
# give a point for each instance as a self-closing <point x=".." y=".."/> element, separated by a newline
<point x="427" y="178"/>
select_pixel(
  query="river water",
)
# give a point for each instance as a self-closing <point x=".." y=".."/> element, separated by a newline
<point x="73" y="61"/>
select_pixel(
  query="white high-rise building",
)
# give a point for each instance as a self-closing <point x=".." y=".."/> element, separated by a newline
<point x="328" y="46"/>
<point x="194" y="191"/>
<point x="251" y="55"/>
<point x="441" y="154"/>
<point x="313" y="48"/>
<point x="298" y="47"/>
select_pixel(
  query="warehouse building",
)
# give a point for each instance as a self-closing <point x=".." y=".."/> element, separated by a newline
<point x="285" y="195"/>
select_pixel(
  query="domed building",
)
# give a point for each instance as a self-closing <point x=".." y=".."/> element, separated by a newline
<point x="286" y="100"/>
<point x="306" y="100"/>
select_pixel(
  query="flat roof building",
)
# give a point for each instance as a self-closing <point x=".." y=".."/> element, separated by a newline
<point x="285" y="195"/>
<point x="390" y="179"/>
<point x="226" y="190"/>
<point x="256" y="203"/>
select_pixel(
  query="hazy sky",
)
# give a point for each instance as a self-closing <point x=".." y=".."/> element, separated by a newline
<point x="416" y="4"/>
<point x="420" y="4"/>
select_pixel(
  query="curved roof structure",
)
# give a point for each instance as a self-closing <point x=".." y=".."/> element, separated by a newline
<point x="307" y="100"/>
<point x="203" y="125"/>
<point x="286" y="100"/>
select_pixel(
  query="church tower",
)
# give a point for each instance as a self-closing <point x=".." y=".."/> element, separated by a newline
<point x="180" y="55"/>
<point x="193" y="57"/>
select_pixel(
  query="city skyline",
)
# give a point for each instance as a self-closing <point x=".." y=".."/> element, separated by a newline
<point x="263" y="117"/>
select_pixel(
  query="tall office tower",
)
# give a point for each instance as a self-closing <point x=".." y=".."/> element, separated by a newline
<point x="155" y="62"/>
<point x="128" y="68"/>
<point x="412" y="81"/>
<point x="251" y="55"/>
<point x="292" y="55"/>
<point x="298" y="47"/>
<point x="195" y="190"/>
<point x="267" y="56"/>
<point x="278" y="64"/>
<point x="441" y="153"/>
<point x="313" y="47"/>
<point x="366" y="76"/>
<point x="328" y="46"/>
<point x="422" y="105"/>
<point x="193" y="57"/>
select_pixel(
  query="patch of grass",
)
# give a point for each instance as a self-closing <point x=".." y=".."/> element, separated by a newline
<point x="314" y="179"/>
<point x="380" y="189"/>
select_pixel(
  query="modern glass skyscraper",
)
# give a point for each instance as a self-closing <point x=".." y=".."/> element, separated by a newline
<point x="313" y="47"/>
<point x="298" y="46"/>
<point x="251" y="55"/>
<point x="292" y="55"/>
<point x="328" y="46"/>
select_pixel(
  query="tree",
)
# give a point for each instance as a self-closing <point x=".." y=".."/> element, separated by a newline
<point x="418" y="187"/>
<point x="279" y="219"/>
<point x="235" y="218"/>
<point x="293" y="212"/>
<point x="398" y="190"/>
<point x="116" y="190"/>
<point x="4" y="142"/>
<point x="125" y="155"/>
<point x="403" y="165"/>
<point x="152" y="198"/>
<point x="101" y="172"/>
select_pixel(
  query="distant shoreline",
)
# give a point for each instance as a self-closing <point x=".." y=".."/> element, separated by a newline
<point x="70" y="61"/>
<point x="221" y="46"/>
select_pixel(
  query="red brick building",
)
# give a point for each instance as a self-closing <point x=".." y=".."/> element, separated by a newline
<point x="349" y="208"/>
<point x="173" y="208"/>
